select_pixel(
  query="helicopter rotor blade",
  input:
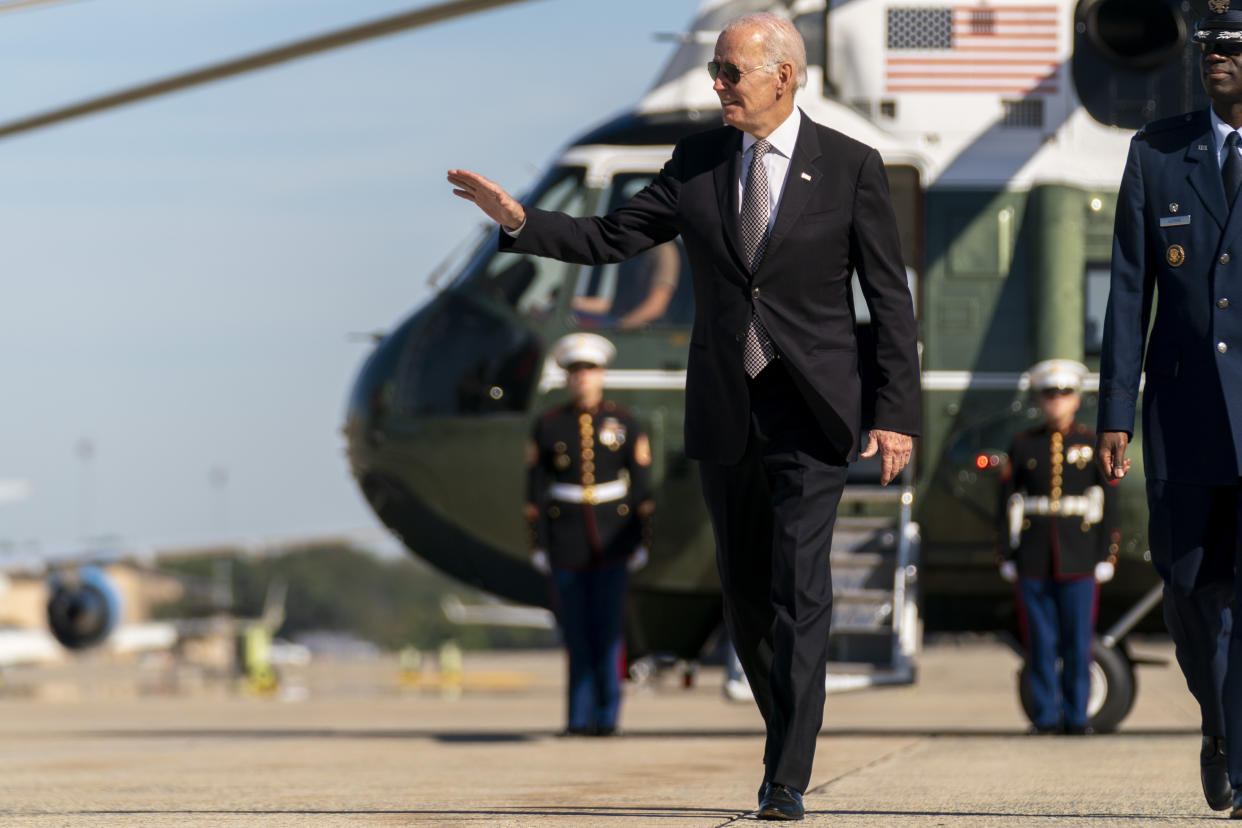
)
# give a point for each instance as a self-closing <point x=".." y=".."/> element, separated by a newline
<point x="18" y="5"/>
<point x="258" y="60"/>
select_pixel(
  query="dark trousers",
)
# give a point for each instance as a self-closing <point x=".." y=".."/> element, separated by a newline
<point x="1058" y="619"/>
<point x="1196" y="548"/>
<point x="591" y="612"/>
<point x="773" y="514"/>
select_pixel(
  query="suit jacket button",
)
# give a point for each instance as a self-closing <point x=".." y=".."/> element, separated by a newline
<point x="754" y="293"/>
<point x="1222" y="303"/>
<point x="1224" y="258"/>
<point x="1222" y="347"/>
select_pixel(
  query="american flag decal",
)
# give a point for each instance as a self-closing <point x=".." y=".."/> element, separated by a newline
<point x="999" y="49"/>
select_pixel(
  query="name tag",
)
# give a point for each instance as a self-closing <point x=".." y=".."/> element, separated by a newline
<point x="1174" y="221"/>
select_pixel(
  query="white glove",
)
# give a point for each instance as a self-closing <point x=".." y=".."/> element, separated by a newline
<point x="539" y="560"/>
<point x="1009" y="571"/>
<point x="637" y="560"/>
<point x="1104" y="572"/>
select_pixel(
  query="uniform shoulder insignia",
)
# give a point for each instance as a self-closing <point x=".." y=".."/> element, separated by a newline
<point x="1183" y="121"/>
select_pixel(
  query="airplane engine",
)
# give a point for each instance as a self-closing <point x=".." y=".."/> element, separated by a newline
<point x="83" y="607"/>
<point x="1133" y="61"/>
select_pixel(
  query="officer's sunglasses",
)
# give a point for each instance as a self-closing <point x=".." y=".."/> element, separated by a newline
<point x="730" y="71"/>
<point x="1050" y="393"/>
<point x="1224" y="48"/>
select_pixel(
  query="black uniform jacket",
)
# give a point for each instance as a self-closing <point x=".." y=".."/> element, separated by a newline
<point x="835" y="217"/>
<point x="588" y="451"/>
<point x="1177" y="241"/>
<point x="1065" y="527"/>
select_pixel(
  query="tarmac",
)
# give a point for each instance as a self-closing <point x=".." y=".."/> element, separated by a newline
<point x="358" y="743"/>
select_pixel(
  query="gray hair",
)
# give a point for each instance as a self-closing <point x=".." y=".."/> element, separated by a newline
<point x="782" y="43"/>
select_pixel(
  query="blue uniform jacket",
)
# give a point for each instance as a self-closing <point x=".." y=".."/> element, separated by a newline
<point x="1176" y="239"/>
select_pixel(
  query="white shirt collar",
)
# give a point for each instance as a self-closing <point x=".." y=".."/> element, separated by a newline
<point x="783" y="139"/>
<point x="1221" y="130"/>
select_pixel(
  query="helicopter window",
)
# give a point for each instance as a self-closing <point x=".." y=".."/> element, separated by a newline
<point x="652" y="289"/>
<point x="530" y="284"/>
<point x="1095" y="302"/>
<point x="462" y="359"/>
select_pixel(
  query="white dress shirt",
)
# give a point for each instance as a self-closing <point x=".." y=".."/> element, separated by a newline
<point x="1221" y="130"/>
<point x="783" y="140"/>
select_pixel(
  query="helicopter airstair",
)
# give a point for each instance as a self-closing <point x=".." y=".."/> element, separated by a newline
<point x="876" y="628"/>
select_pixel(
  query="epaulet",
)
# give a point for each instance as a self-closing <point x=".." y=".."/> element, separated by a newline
<point x="1166" y="125"/>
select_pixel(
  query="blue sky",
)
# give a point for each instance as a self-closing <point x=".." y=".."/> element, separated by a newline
<point x="181" y="276"/>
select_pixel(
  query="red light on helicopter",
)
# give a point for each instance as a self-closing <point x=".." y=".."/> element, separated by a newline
<point x="987" y="461"/>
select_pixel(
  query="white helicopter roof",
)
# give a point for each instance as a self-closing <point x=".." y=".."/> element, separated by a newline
<point x="966" y="110"/>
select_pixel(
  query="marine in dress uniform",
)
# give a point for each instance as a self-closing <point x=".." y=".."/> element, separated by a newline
<point x="1177" y="246"/>
<point x="1059" y="541"/>
<point x="590" y="507"/>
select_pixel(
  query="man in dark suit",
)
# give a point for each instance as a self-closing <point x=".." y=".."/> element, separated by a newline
<point x="776" y="213"/>
<point x="1179" y="233"/>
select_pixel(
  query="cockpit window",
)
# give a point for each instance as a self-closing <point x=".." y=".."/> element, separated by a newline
<point x="653" y="289"/>
<point x="461" y="359"/>
<point x="529" y="284"/>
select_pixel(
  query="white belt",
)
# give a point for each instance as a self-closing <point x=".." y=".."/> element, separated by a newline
<point x="601" y="493"/>
<point x="1089" y="506"/>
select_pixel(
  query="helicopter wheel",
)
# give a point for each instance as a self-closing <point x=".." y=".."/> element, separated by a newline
<point x="1112" y="688"/>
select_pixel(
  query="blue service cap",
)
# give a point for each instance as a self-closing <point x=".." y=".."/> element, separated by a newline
<point x="1223" y="22"/>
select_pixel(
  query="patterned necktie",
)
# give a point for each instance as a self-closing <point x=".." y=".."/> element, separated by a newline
<point x="757" y="348"/>
<point x="1231" y="170"/>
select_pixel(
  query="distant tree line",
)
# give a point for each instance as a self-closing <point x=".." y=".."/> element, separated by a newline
<point x="391" y="603"/>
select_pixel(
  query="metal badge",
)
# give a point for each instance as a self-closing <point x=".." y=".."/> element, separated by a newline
<point x="1173" y="207"/>
<point x="1218" y="6"/>
<point x="1175" y="255"/>
<point x="1175" y="221"/>
<point x="1203" y="148"/>
<point x="806" y="176"/>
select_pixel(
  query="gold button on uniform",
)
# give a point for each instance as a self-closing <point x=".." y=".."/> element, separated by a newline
<point x="1224" y="258"/>
<point x="755" y="293"/>
<point x="1222" y="347"/>
<point x="1222" y="303"/>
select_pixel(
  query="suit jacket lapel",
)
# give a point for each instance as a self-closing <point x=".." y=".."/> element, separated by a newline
<point x="800" y="182"/>
<point x="726" y="175"/>
<point x="1204" y="175"/>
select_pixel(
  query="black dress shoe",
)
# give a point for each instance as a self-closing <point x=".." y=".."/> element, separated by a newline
<point x="1214" y="774"/>
<point x="763" y="790"/>
<point x="781" y="802"/>
<point x="1044" y="730"/>
<point x="1078" y="730"/>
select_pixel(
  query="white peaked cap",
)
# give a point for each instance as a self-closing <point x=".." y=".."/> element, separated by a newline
<point x="583" y="347"/>
<point x="1057" y="373"/>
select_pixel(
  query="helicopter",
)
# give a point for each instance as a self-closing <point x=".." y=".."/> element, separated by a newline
<point x="1003" y="127"/>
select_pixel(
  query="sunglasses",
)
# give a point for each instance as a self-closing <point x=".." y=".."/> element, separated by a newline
<point x="1056" y="392"/>
<point x="731" y="73"/>
<point x="1224" y="48"/>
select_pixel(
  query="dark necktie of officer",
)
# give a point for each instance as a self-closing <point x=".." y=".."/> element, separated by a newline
<point x="757" y="349"/>
<point x="1231" y="170"/>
